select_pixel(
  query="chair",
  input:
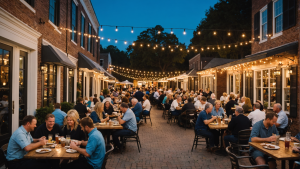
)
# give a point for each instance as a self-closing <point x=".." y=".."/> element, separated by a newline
<point x="109" y="149"/>
<point x="189" y="114"/>
<point x="234" y="159"/>
<point x="164" y="111"/>
<point x="197" y="138"/>
<point x="148" y="116"/>
<point x="134" y="138"/>
<point x="289" y="124"/>
<point x="3" y="155"/>
<point x="243" y="139"/>
<point x="171" y="117"/>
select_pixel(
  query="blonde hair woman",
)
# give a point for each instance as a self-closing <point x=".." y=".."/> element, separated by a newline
<point x="169" y="99"/>
<point x="98" y="115"/>
<point x="247" y="105"/>
<point x="72" y="126"/>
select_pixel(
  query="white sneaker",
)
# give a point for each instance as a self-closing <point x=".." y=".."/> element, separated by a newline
<point x="141" y="121"/>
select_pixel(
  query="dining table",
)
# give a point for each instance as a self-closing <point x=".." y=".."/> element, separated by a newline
<point x="219" y="126"/>
<point x="280" y="154"/>
<point x="56" y="153"/>
<point x="109" y="128"/>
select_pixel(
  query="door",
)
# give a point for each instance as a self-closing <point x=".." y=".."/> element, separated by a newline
<point x="5" y="93"/>
<point x="22" y="86"/>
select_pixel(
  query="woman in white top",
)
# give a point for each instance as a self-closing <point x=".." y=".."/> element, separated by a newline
<point x="146" y="105"/>
<point x="223" y="98"/>
<point x="175" y="106"/>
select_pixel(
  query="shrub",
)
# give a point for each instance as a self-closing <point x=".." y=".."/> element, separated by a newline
<point x="79" y="86"/>
<point x="66" y="106"/>
<point x="42" y="112"/>
<point x="105" y="92"/>
<point x="78" y="94"/>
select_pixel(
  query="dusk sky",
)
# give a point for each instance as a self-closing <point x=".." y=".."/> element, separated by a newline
<point x="142" y="13"/>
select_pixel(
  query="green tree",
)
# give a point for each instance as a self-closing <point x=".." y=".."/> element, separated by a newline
<point x="150" y="58"/>
<point x="229" y="15"/>
<point x="119" y="58"/>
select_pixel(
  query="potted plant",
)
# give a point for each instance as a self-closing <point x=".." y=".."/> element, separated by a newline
<point x="42" y="112"/>
<point x="66" y="106"/>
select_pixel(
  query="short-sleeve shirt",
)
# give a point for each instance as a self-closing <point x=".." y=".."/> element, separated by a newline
<point x="96" y="149"/>
<point x="200" y="125"/>
<point x="259" y="130"/>
<point x="147" y="105"/>
<point x="220" y="112"/>
<point x="59" y="116"/>
<point x="174" y="105"/>
<point x="17" y="142"/>
<point x="130" y="119"/>
<point x="282" y="120"/>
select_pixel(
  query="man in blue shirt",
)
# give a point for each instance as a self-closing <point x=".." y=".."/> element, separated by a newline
<point x="263" y="131"/>
<point x="128" y="122"/>
<point x="21" y="142"/>
<point x="101" y="96"/>
<point x="282" y="121"/>
<point x="202" y="128"/>
<point x="137" y="109"/>
<point x="59" y="115"/>
<point x="94" y="152"/>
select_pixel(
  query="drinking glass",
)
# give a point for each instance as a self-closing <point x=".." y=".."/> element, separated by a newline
<point x="68" y="137"/>
<point x="56" y="138"/>
<point x="287" y="143"/>
<point x="277" y="140"/>
<point x="63" y="143"/>
<point x="288" y="135"/>
<point x="49" y="137"/>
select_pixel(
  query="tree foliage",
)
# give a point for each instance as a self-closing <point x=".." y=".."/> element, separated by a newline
<point x="119" y="58"/>
<point x="226" y="15"/>
<point x="148" y="58"/>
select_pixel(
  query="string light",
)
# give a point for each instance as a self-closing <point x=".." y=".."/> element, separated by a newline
<point x="171" y="31"/>
<point x="184" y="32"/>
<point x="158" y="32"/>
<point x="101" y="29"/>
<point x="243" y="35"/>
<point x="116" y="41"/>
<point x="215" y="33"/>
<point x="131" y="29"/>
<point x="116" y="29"/>
<point x="108" y="40"/>
<point x="125" y="42"/>
<point x="199" y="32"/>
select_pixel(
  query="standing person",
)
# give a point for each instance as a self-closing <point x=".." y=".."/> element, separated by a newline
<point x="237" y="123"/>
<point x="256" y="115"/>
<point x="282" y="121"/>
<point x="128" y="122"/>
<point x="81" y="108"/>
<point x="230" y="104"/>
<point x="94" y="152"/>
<point x="59" y="114"/>
<point x="21" y="142"/>
<point x="72" y="126"/>
<point x="139" y="95"/>
<point x="98" y="116"/>
<point x="261" y="132"/>
<point x="201" y="127"/>
<point x="49" y="127"/>
<point x="137" y="109"/>
<point x="146" y="105"/>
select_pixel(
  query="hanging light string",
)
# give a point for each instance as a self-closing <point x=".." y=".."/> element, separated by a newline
<point x="138" y="77"/>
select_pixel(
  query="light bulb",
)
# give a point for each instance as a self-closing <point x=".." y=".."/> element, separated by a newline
<point x="131" y="29"/>
<point x="133" y="44"/>
<point x="125" y="42"/>
<point x="141" y="45"/>
<point x="199" y="32"/>
<point x="148" y="45"/>
<point x="180" y="49"/>
<point x="184" y="32"/>
<point x="188" y="50"/>
<point x="116" y="29"/>
<point x="171" y="31"/>
<point x="215" y="33"/>
<point x="192" y="47"/>
<point x="101" y="29"/>
<point x="102" y="38"/>
<point x="229" y="33"/>
<point x="108" y="40"/>
<point x="243" y="35"/>
<point x="196" y="50"/>
<point x="171" y="50"/>
<point x="158" y="32"/>
<point x="162" y="48"/>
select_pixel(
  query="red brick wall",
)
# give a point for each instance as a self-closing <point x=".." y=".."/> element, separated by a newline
<point x="194" y="60"/>
<point x="287" y="36"/>
<point x="20" y="11"/>
<point x="221" y="84"/>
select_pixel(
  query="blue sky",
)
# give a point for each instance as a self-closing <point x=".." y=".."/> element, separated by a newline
<point x="142" y="13"/>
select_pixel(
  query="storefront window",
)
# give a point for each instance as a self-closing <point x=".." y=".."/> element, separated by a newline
<point x="80" y="80"/>
<point x="286" y="90"/>
<point x="71" y="86"/>
<point x="207" y="82"/>
<point x="237" y="83"/>
<point x="49" y="85"/>
<point x="22" y="85"/>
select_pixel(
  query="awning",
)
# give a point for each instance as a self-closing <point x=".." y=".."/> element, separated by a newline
<point x="289" y="48"/>
<point x="51" y="54"/>
<point x="85" y="62"/>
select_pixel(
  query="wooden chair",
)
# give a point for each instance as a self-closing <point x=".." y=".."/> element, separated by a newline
<point x="3" y="153"/>
<point x="243" y="140"/>
<point x="189" y="115"/>
<point x="234" y="159"/>
<point x="197" y="139"/>
<point x="109" y="149"/>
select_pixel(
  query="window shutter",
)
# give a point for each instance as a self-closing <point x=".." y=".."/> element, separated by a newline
<point x="256" y="25"/>
<point x="289" y="13"/>
<point x="293" y="92"/>
<point x="279" y="88"/>
<point x="270" y="18"/>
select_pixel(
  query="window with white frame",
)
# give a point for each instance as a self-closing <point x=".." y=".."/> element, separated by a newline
<point x="230" y="83"/>
<point x="264" y="22"/>
<point x="208" y="82"/>
<point x="278" y="16"/>
<point x="234" y="81"/>
<point x="286" y="81"/>
<point x="237" y="84"/>
<point x="265" y="87"/>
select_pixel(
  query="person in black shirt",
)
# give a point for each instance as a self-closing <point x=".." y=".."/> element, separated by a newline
<point x="238" y="123"/>
<point x="189" y="105"/>
<point x="139" y="95"/>
<point x="72" y="127"/>
<point x="261" y="106"/>
<point x="81" y="108"/>
<point x="161" y="97"/>
<point x="49" y="127"/>
<point x="230" y="104"/>
<point x="108" y="108"/>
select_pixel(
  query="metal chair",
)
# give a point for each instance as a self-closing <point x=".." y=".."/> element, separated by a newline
<point x="171" y="117"/>
<point x="111" y="148"/>
<point x="164" y="111"/>
<point x="3" y="153"/>
<point x="148" y="116"/>
<point x="134" y="138"/>
<point x="234" y="159"/>
<point x="243" y="140"/>
<point x="189" y="114"/>
<point x="197" y="138"/>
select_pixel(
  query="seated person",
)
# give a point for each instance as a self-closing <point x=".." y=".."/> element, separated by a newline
<point x="107" y="98"/>
<point x="282" y="121"/>
<point x="108" y="108"/>
<point x="49" y="127"/>
<point x="21" y="142"/>
<point x="94" y="153"/>
<point x="59" y="115"/>
<point x="90" y="102"/>
<point x="165" y="98"/>
<point x="146" y="105"/>
<point x="81" y="108"/>
<point x="176" y="106"/>
<point x="261" y="106"/>
<point x="231" y="103"/>
<point x="263" y="131"/>
<point x="246" y="105"/>
<point x="217" y="110"/>
<point x="137" y="109"/>
<point x="95" y="100"/>
<point x="101" y="96"/>
<point x="237" y="123"/>
<point x="256" y="115"/>
<point x="129" y="124"/>
<point x="161" y="97"/>
<point x="184" y="98"/>
<point x="201" y="127"/>
<point x="72" y="126"/>
<point x="98" y="115"/>
<point x="200" y="103"/>
<point x="212" y="99"/>
<point x="188" y="106"/>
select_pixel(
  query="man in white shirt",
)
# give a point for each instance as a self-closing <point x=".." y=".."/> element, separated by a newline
<point x="200" y="103"/>
<point x="146" y="105"/>
<point x="242" y="101"/>
<point x="176" y="106"/>
<point x="256" y="115"/>
<point x="156" y="94"/>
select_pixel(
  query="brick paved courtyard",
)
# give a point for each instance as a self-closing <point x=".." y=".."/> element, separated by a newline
<point x="165" y="146"/>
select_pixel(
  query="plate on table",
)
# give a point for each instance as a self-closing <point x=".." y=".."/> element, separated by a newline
<point x="50" y="143"/>
<point x="71" y="151"/>
<point x="214" y="124"/>
<point x="282" y="138"/>
<point x="43" y="150"/>
<point x="271" y="147"/>
<point x="67" y="147"/>
<point x="102" y="124"/>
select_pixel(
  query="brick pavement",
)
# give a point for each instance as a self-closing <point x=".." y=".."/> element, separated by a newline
<point x="163" y="147"/>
